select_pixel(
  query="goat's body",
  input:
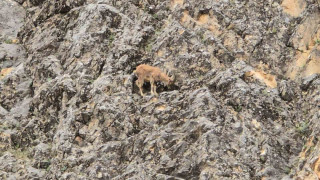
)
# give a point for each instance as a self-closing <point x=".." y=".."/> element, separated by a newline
<point x="146" y="73"/>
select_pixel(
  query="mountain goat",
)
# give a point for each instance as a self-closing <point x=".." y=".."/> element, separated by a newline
<point x="146" y="73"/>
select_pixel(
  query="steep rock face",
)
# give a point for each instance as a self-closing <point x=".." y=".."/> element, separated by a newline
<point x="69" y="108"/>
<point x="11" y="19"/>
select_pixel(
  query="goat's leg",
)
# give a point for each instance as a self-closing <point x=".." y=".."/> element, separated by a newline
<point x="152" y="86"/>
<point x="155" y="90"/>
<point x="140" y="84"/>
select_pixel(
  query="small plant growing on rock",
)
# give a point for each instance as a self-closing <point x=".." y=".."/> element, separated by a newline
<point x="64" y="168"/>
<point x="303" y="128"/>
<point x="111" y="39"/>
<point x="158" y="31"/>
<point x="148" y="48"/>
<point x="20" y="153"/>
<point x="265" y="92"/>
<point x="48" y="168"/>
<point x="3" y="127"/>
<point x="237" y="108"/>
<point x="8" y="41"/>
<point x="155" y="16"/>
<point x="91" y="81"/>
<point x="201" y="36"/>
<point x="287" y="170"/>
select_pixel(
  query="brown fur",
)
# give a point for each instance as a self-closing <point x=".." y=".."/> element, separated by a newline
<point x="146" y="73"/>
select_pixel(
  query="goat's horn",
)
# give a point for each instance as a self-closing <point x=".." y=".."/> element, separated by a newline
<point x="165" y="71"/>
<point x="173" y="76"/>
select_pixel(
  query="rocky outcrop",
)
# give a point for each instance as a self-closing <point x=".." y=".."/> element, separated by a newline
<point x="70" y="109"/>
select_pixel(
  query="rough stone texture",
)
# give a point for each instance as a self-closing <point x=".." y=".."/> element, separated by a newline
<point x="11" y="16"/>
<point x="242" y="107"/>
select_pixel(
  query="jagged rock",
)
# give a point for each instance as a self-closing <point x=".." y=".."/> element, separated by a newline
<point x="3" y="112"/>
<point x="3" y="54"/>
<point x="42" y="156"/>
<point x="36" y="2"/>
<point x="20" y="1"/>
<point x="35" y="173"/>
<point x="15" y="87"/>
<point x="11" y="19"/>
<point x="70" y="108"/>
<point x="306" y="82"/>
<point x="11" y="52"/>
<point x="286" y="90"/>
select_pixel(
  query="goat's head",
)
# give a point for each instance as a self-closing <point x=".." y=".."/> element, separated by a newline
<point x="168" y="80"/>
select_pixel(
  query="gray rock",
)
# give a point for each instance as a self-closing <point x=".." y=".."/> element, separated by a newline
<point x="8" y="162"/>
<point x="20" y="1"/>
<point x="3" y="55"/>
<point x="306" y="82"/>
<point x="35" y="173"/>
<point x="11" y="19"/>
<point x="286" y="90"/>
<point x="3" y="112"/>
<point x="70" y="108"/>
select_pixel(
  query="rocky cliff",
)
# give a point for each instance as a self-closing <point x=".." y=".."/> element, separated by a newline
<point x="245" y="104"/>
